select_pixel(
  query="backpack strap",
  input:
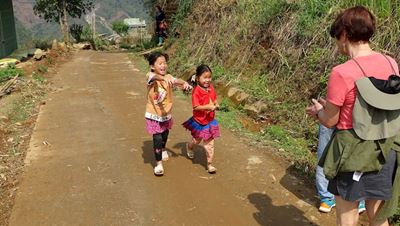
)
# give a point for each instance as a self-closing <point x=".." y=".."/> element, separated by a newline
<point x="394" y="71"/>
<point x="360" y="67"/>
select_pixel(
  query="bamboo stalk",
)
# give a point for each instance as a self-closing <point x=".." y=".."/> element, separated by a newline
<point x="3" y="90"/>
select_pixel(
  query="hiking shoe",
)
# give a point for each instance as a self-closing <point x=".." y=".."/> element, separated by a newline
<point x="327" y="205"/>
<point x="361" y="207"/>
<point x="164" y="155"/>
<point x="189" y="153"/>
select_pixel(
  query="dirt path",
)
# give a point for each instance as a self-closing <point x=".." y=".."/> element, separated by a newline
<point x="90" y="163"/>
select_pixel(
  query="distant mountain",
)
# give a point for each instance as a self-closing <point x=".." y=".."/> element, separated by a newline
<point x="30" y="27"/>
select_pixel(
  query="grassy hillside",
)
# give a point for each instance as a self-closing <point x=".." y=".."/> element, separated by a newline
<point x="279" y="51"/>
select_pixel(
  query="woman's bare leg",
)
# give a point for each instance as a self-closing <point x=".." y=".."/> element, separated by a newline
<point x="346" y="212"/>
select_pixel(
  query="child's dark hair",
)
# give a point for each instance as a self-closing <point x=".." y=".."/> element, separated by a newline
<point x="201" y="69"/>
<point x="152" y="57"/>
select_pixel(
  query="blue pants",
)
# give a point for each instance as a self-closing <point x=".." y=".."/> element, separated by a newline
<point x="324" y="135"/>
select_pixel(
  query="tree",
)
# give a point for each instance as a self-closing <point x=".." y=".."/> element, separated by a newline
<point x="120" y="27"/>
<point x="58" y="11"/>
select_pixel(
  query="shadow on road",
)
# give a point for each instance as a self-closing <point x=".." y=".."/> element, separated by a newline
<point x="296" y="186"/>
<point x="148" y="154"/>
<point x="199" y="153"/>
<point x="270" y="215"/>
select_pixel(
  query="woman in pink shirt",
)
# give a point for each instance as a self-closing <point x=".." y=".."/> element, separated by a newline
<point x="352" y="31"/>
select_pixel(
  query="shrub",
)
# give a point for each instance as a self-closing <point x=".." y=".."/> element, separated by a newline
<point x="43" y="43"/>
<point x="87" y="34"/>
<point x="120" y="27"/>
<point x="76" y="31"/>
<point x="9" y="72"/>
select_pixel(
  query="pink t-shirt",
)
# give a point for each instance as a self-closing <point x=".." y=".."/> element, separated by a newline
<point x="341" y="84"/>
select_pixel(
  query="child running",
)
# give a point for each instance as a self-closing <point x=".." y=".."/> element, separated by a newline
<point x="159" y="105"/>
<point x="202" y="125"/>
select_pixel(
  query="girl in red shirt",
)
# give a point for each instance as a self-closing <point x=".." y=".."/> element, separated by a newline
<point x="202" y="124"/>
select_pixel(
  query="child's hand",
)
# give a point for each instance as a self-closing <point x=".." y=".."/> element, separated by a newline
<point x="187" y="87"/>
<point x="212" y="107"/>
<point x="216" y="106"/>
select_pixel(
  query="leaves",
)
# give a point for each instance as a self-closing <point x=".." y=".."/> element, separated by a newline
<point x="120" y="27"/>
<point x="52" y="10"/>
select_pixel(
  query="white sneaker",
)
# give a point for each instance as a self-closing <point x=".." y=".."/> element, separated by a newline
<point x="164" y="155"/>
<point x="159" y="170"/>
<point x="211" y="169"/>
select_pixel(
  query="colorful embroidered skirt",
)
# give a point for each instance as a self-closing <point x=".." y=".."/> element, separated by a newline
<point x="205" y="132"/>
<point x="154" y="127"/>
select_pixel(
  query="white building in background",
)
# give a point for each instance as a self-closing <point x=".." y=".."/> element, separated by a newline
<point x="135" y="23"/>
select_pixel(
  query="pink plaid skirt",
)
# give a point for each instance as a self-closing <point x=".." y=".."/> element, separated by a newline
<point x="154" y="127"/>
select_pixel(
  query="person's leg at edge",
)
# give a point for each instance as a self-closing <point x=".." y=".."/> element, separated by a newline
<point x="190" y="146"/>
<point x="373" y="206"/>
<point x="327" y="199"/>
<point x="209" y="147"/>
<point x="346" y="212"/>
<point x="164" y="136"/>
<point x="160" y="40"/>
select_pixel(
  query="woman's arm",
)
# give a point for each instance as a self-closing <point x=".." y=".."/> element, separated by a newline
<point x="325" y="112"/>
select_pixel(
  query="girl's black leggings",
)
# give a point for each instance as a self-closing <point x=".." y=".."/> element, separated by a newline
<point x="159" y="142"/>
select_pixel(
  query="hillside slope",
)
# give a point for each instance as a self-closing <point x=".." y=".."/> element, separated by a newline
<point x="277" y="51"/>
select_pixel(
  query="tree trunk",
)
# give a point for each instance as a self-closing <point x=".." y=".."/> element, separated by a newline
<point x="61" y="25"/>
<point x="65" y="22"/>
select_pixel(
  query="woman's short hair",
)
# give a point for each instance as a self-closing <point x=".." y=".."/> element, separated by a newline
<point x="358" y="23"/>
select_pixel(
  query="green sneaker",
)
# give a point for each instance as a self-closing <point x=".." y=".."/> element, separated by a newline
<point x="326" y="205"/>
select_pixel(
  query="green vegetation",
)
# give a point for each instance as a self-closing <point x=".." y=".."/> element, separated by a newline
<point x="110" y="10"/>
<point x="49" y="60"/>
<point x="42" y="43"/>
<point x="138" y="45"/>
<point x="61" y="10"/>
<point x="76" y="31"/>
<point x="87" y="34"/>
<point x="183" y="10"/>
<point x="96" y="42"/>
<point x="38" y="77"/>
<point x="278" y="51"/>
<point x="293" y="148"/>
<point x="21" y="110"/>
<point x="120" y="27"/>
<point x="9" y="72"/>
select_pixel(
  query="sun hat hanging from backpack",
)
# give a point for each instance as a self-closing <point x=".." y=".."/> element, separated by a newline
<point x="376" y="113"/>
